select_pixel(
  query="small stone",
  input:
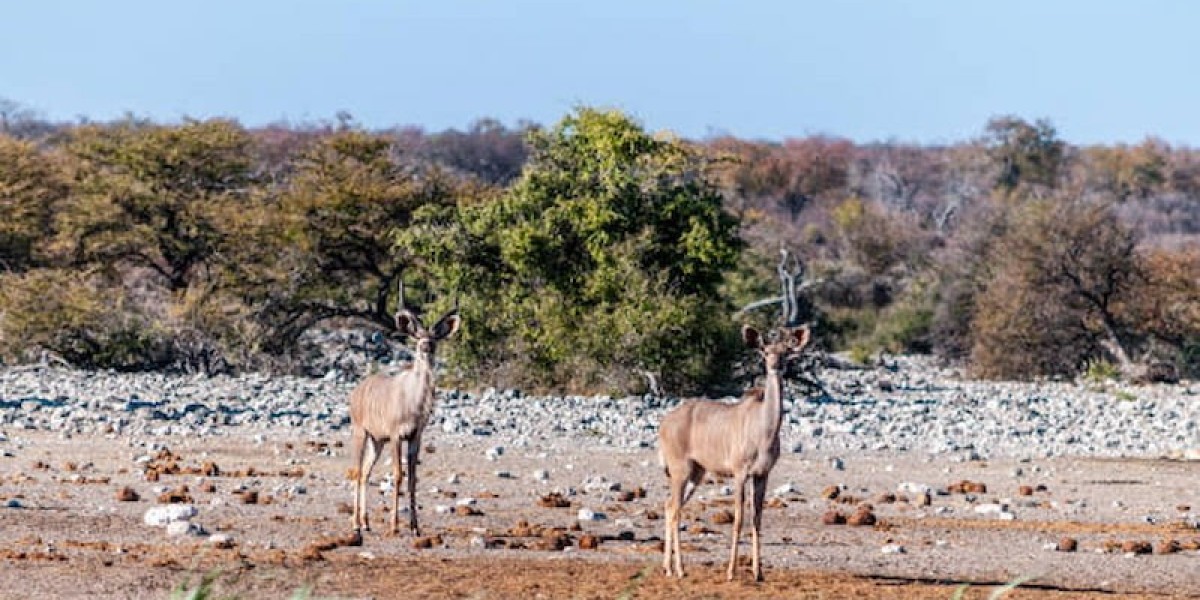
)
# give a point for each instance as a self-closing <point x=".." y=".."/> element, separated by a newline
<point x="989" y="508"/>
<point x="179" y="528"/>
<point x="837" y="464"/>
<point x="160" y="516"/>
<point x="554" y="500"/>
<point x="221" y="540"/>
<point x="587" y="514"/>
<point x="1137" y="547"/>
<point x="786" y="489"/>
<point x="13" y="503"/>
<point x="862" y="517"/>
<point x="892" y="549"/>
<point x="833" y="517"/>
<point x="588" y="541"/>
<point x="721" y="517"/>
<point x="541" y="475"/>
<point x="1025" y="490"/>
<point x="126" y="494"/>
<point x="1166" y="547"/>
<point x="831" y="492"/>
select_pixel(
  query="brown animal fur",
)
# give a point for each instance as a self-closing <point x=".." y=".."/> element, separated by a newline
<point x="729" y="440"/>
<point x="395" y="408"/>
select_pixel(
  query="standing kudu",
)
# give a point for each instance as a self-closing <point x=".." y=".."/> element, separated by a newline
<point x="728" y="440"/>
<point x="396" y="408"/>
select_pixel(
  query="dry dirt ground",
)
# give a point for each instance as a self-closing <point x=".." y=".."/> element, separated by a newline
<point x="72" y="537"/>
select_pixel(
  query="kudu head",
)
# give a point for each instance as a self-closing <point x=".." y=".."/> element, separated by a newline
<point x="776" y="353"/>
<point x="410" y="325"/>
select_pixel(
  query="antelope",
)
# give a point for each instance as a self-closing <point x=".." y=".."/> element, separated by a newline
<point x="729" y="440"/>
<point x="396" y="408"/>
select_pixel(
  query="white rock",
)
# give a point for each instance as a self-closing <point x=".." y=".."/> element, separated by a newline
<point x="786" y="489"/>
<point x="160" y="516"/>
<point x="990" y="508"/>
<point x="452" y="479"/>
<point x="466" y="502"/>
<point x="442" y="509"/>
<point x="916" y="489"/>
<point x="587" y="514"/>
<point x="541" y="475"/>
<point x="892" y="549"/>
<point x="178" y="528"/>
<point x="220" y="539"/>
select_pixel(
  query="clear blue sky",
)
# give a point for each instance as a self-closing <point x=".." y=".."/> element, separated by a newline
<point x="914" y="70"/>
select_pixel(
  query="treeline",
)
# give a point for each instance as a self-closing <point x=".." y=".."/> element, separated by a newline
<point x="591" y="254"/>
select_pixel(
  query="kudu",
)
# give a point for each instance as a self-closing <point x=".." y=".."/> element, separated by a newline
<point x="396" y="408"/>
<point x="728" y="440"/>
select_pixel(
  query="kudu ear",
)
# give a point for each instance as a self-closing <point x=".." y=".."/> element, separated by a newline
<point x="798" y="338"/>
<point x="751" y="336"/>
<point x="447" y="325"/>
<point x="408" y="324"/>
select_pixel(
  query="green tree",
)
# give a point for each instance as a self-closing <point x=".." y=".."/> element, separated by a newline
<point x="326" y="250"/>
<point x="1024" y="153"/>
<point x="602" y="261"/>
<point x="1129" y="172"/>
<point x="151" y="196"/>
<point x="32" y="184"/>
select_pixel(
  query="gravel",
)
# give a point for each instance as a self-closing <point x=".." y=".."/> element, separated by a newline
<point x="914" y="406"/>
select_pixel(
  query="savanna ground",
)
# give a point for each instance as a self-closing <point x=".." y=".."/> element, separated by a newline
<point x="71" y="537"/>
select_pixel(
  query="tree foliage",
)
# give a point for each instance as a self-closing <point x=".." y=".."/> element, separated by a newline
<point x="588" y="253"/>
<point x="32" y="185"/>
<point x="150" y="196"/>
<point x="1061" y="271"/>
<point x="603" y="259"/>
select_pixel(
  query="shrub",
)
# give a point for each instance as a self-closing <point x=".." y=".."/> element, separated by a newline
<point x="83" y="321"/>
<point x="603" y="261"/>
<point x="1059" y="272"/>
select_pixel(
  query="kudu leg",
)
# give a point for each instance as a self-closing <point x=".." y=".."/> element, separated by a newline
<point x="358" y="439"/>
<point x="760" y="492"/>
<point x="397" y="480"/>
<point x="371" y="452"/>
<point x="739" y="509"/>
<point x="672" y="556"/>
<point x="414" y="450"/>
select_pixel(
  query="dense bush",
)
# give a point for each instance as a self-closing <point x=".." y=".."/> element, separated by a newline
<point x="603" y="261"/>
<point x="78" y="319"/>
<point x="1059" y="273"/>
<point x="590" y="253"/>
